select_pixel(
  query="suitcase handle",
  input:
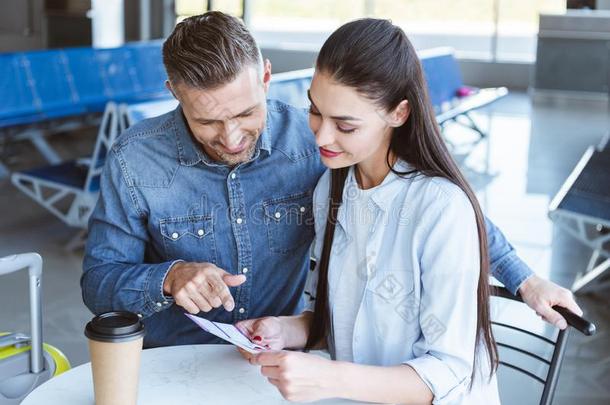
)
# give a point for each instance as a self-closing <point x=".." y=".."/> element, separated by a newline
<point x="33" y="263"/>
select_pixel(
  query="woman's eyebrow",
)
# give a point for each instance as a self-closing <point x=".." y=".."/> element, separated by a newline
<point x="335" y="117"/>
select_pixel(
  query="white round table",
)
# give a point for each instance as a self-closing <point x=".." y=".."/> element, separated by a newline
<point x="195" y="374"/>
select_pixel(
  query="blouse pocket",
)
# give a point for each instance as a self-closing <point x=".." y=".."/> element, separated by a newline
<point x="391" y="301"/>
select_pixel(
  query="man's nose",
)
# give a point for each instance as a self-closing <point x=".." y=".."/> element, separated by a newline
<point x="231" y="132"/>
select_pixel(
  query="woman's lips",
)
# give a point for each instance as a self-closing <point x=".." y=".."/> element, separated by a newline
<point x="329" y="153"/>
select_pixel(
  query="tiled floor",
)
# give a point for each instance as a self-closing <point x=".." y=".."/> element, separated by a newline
<point x="531" y="150"/>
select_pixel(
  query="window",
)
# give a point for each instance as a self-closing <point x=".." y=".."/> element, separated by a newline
<point x="478" y="29"/>
<point x="187" y="8"/>
<point x="466" y="25"/>
<point x="518" y="27"/>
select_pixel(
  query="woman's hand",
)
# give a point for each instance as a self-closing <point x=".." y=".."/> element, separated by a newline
<point x="277" y="332"/>
<point x="299" y="376"/>
<point x="267" y="331"/>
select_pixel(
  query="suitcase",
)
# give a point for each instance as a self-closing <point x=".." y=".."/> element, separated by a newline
<point x="25" y="361"/>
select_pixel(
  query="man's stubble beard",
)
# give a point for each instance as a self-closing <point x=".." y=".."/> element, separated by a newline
<point x="234" y="159"/>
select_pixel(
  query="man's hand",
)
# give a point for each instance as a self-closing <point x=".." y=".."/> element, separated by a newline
<point x="201" y="286"/>
<point x="541" y="295"/>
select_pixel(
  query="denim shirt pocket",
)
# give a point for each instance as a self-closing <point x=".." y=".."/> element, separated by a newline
<point x="189" y="238"/>
<point x="289" y="222"/>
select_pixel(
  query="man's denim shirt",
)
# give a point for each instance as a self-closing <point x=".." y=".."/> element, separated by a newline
<point x="163" y="199"/>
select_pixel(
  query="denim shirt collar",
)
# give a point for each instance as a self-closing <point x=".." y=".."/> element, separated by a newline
<point x="190" y="153"/>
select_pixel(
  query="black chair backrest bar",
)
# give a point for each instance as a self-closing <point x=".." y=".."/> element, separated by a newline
<point x="575" y="321"/>
<point x="580" y="324"/>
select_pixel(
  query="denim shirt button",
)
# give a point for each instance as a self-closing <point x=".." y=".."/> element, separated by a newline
<point x="241" y="310"/>
<point x="302" y="209"/>
<point x="233" y="176"/>
<point x="200" y="232"/>
<point x="244" y="270"/>
<point x="278" y="215"/>
<point x="175" y="235"/>
<point x="239" y="220"/>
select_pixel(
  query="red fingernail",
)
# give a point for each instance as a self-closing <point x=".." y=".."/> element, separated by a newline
<point x="258" y="338"/>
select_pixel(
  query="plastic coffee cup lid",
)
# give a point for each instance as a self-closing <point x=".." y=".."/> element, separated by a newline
<point x="116" y="326"/>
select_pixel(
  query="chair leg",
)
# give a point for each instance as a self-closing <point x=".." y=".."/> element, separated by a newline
<point x="591" y="275"/>
<point x="470" y="124"/>
<point x="37" y="138"/>
<point x="4" y="172"/>
<point x="76" y="242"/>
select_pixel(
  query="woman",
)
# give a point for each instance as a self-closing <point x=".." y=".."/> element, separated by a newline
<point x="399" y="294"/>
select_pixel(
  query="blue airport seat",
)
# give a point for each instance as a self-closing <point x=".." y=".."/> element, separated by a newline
<point x="291" y="87"/>
<point x="54" y="93"/>
<point x="77" y="180"/>
<point x="589" y="194"/>
<point x="134" y="113"/>
<point x="68" y="174"/>
<point x="150" y="71"/>
<point x="85" y="73"/>
<point x="449" y="97"/>
<point x="443" y="76"/>
<point x="118" y="73"/>
<point x="17" y="101"/>
<point x="51" y="91"/>
<point x="582" y="209"/>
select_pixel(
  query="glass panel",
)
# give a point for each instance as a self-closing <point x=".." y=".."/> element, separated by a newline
<point x="518" y="27"/>
<point x="233" y="7"/>
<point x="185" y="8"/>
<point x="466" y="25"/>
<point x="301" y="24"/>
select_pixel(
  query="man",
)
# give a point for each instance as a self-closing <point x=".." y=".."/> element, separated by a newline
<point x="209" y="207"/>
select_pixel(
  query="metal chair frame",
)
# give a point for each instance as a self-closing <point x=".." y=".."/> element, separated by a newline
<point x="559" y="346"/>
<point x="51" y="194"/>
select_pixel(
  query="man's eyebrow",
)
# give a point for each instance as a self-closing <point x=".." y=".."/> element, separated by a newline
<point x="244" y="112"/>
<point x="335" y="117"/>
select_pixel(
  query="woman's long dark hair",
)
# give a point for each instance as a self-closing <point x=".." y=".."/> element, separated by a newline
<point x="376" y="58"/>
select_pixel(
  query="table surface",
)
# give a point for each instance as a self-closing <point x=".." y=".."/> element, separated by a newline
<point x="191" y="374"/>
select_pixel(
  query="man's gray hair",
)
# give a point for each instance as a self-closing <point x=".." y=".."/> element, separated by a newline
<point x="208" y="50"/>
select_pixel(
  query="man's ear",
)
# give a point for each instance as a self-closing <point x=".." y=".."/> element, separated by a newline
<point x="400" y="114"/>
<point x="168" y="86"/>
<point x="266" y="74"/>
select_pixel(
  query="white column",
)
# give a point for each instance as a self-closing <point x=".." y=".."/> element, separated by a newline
<point x="107" y="23"/>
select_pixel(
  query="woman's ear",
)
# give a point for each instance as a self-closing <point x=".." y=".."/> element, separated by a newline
<point x="400" y="114"/>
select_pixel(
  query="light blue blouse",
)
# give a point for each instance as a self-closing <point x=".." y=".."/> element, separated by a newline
<point x="419" y="305"/>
